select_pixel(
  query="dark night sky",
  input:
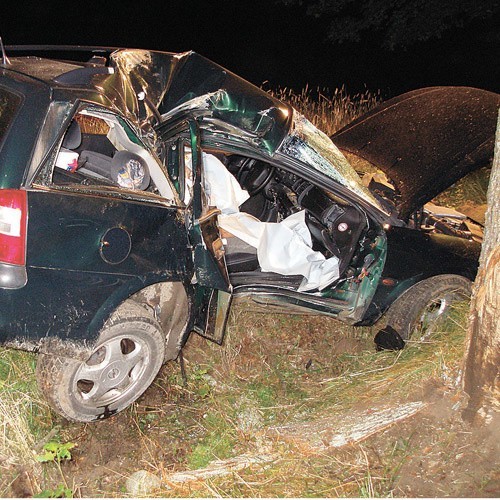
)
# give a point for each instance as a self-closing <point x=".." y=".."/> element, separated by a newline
<point x="261" y="41"/>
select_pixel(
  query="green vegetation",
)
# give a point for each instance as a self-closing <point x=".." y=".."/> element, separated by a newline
<point x="55" y="452"/>
<point x="60" y="492"/>
<point x="24" y="416"/>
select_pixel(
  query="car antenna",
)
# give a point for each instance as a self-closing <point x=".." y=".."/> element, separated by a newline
<point x="5" y="59"/>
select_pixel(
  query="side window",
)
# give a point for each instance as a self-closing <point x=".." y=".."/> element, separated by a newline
<point x="101" y="150"/>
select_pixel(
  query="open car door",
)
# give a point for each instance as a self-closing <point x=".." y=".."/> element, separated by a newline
<point x="213" y="289"/>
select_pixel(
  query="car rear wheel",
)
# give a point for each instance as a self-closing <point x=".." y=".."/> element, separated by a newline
<point x="127" y="357"/>
<point x="420" y="309"/>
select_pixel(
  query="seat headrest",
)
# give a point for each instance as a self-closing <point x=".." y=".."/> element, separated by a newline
<point x="130" y="170"/>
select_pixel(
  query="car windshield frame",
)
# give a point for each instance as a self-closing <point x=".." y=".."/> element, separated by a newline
<point x="309" y="145"/>
<point x="10" y="104"/>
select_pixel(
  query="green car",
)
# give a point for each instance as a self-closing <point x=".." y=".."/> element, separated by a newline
<point x="141" y="191"/>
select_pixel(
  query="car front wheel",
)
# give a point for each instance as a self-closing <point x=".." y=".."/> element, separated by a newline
<point x="127" y="357"/>
<point x="420" y="309"/>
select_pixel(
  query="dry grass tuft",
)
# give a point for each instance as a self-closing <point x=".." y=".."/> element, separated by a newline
<point x="329" y="111"/>
<point x="92" y="125"/>
<point x="24" y="417"/>
<point x="17" y="441"/>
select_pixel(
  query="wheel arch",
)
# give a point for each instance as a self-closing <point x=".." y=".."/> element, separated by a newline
<point x="401" y="315"/>
<point x="159" y="297"/>
<point x="387" y="294"/>
<point x="426" y="279"/>
<point x="171" y="306"/>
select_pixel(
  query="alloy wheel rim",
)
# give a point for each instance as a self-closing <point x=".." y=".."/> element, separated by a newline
<point x="113" y="372"/>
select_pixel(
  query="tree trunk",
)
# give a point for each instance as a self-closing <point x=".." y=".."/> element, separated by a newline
<point x="482" y="357"/>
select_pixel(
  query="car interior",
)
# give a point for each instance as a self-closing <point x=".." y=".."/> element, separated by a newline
<point x="100" y="150"/>
<point x="337" y="228"/>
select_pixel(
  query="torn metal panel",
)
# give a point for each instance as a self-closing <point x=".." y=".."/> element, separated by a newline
<point x="169" y="83"/>
<point x="169" y="303"/>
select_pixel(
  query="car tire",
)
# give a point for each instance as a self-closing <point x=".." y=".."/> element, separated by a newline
<point x="421" y="308"/>
<point x="126" y="359"/>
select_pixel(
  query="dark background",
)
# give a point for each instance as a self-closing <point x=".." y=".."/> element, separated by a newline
<point x="263" y="41"/>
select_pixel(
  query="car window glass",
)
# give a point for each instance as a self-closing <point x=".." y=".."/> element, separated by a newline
<point x="9" y="103"/>
<point x="311" y="146"/>
<point x="101" y="150"/>
<point x="58" y="113"/>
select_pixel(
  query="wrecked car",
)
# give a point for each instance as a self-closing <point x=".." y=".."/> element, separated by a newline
<point x="142" y="191"/>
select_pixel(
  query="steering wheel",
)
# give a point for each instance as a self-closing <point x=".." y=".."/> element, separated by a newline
<point x="253" y="175"/>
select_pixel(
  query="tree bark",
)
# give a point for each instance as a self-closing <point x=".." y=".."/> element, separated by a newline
<point x="482" y="357"/>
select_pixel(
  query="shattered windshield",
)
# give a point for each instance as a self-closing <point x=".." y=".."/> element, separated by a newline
<point x="311" y="146"/>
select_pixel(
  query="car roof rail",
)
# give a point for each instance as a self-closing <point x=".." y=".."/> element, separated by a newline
<point x="80" y="54"/>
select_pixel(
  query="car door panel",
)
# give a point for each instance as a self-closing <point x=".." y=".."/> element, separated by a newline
<point x="91" y="234"/>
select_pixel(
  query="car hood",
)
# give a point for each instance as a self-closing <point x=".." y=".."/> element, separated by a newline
<point x="425" y="140"/>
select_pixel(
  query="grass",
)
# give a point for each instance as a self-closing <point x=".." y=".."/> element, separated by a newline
<point x="271" y="371"/>
<point x="254" y="392"/>
<point x="328" y="110"/>
<point x="471" y="189"/>
<point x="24" y="416"/>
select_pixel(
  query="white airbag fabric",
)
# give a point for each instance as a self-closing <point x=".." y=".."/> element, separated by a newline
<point x="284" y="248"/>
<point x="223" y="190"/>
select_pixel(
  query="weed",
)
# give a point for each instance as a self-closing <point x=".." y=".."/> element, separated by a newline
<point x="214" y="446"/>
<point x="217" y="440"/>
<point x="24" y="416"/>
<point x="61" y="491"/>
<point x="264" y="394"/>
<point x="55" y="452"/>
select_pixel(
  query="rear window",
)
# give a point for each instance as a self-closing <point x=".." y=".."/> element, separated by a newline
<point x="9" y="104"/>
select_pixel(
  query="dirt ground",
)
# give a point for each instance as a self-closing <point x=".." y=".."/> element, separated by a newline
<point x="433" y="453"/>
<point x="452" y="458"/>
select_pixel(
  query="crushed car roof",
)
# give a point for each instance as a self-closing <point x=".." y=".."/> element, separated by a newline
<point x="425" y="140"/>
<point x="151" y="84"/>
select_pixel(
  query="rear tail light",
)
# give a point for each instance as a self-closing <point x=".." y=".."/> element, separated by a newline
<point x="13" y="218"/>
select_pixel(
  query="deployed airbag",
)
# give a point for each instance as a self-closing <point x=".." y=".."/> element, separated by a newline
<point x="284" y="248"/>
